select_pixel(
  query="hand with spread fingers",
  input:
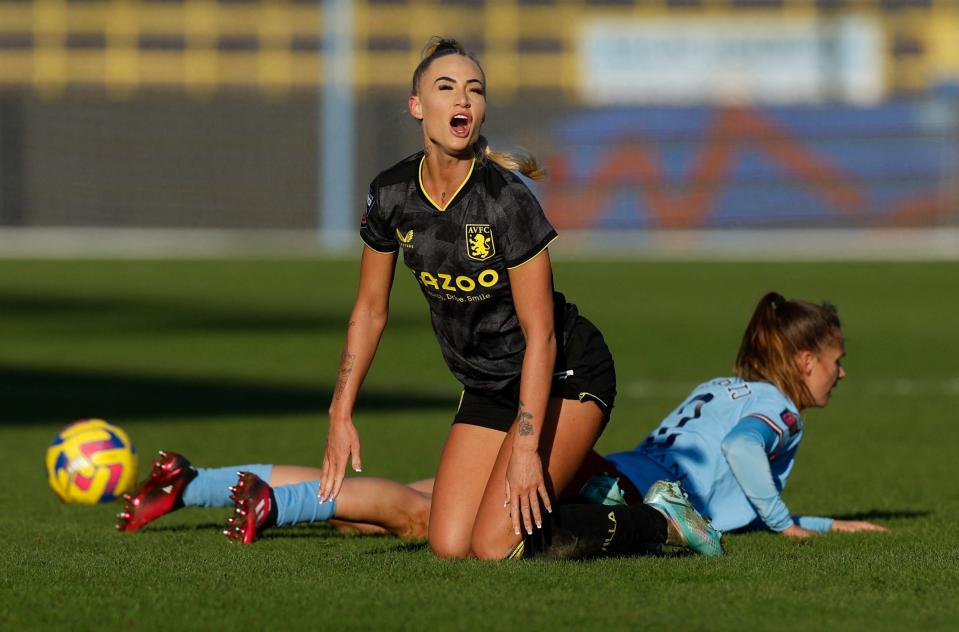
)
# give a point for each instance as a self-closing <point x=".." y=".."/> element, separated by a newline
<point x="795" y="531"/>
<point x="342" y="445"/>
<point x="525" y="488"/>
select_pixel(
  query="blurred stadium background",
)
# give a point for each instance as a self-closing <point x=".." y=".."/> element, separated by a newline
<point x="245" y="132"/>
<point x="668" y="126"/>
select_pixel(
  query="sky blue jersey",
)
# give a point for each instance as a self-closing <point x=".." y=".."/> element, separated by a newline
<point x="688" y="446"/>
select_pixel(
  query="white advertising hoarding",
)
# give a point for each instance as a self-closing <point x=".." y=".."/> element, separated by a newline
<point x="727" y="60"/>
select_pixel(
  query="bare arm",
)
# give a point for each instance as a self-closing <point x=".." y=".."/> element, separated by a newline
<point x="838" y="526"/>
<point x="525" y="481"/>
<point x="855" y="526"/>
<point x="367" y="322"/>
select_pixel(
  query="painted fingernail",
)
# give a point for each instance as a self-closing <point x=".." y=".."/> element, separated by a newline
<point x="539" y="525"/>
<point x="517" y="532"/>
<point x="529" y="531"/>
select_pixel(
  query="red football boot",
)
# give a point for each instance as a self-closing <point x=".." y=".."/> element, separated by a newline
<point x="253" y="510"/>
<point x="159" y="494"/>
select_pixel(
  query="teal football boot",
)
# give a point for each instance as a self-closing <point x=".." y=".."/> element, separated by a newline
<point x="603" y="489"/>
<point x="686" y="527"/>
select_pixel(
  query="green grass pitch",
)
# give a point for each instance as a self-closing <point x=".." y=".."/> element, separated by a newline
<point x="233" y="362"/>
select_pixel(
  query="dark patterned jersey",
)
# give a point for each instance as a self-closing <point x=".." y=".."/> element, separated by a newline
<point x="461" y="256"/>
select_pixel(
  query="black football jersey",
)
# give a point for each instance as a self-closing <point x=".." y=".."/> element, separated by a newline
<point x="460" y="257"/>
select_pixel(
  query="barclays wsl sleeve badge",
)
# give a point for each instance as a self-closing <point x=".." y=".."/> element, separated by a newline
<point x="479" y="242"/>
<point x="370" y="200"/>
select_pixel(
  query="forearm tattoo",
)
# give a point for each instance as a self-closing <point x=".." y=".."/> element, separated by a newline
<point x="343" y="375"/>
<point x="525" y="421"/>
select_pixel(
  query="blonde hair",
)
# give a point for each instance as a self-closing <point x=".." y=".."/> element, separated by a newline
<point x="524" y="163"/>
<point x="778" y="330"/>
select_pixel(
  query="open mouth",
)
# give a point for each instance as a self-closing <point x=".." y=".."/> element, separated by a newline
<point x="460" y="124"/>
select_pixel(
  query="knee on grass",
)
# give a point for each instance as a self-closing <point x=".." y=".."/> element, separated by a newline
<point x="449" y="546"/>
<point x="486" y="547"/>
<point x="414" y="520"/>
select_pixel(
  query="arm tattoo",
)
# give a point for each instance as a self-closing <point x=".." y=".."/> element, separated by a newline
<point x="525" y="421"/>
<point x="346" y="367"/>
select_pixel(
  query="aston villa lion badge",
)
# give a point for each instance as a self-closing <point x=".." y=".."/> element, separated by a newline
<point x="479" y="242"/>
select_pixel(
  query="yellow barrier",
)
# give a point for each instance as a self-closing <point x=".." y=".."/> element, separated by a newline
<point x="274" y="46"/>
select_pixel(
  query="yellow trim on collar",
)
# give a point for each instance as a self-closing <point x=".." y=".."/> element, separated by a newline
<point x="455" y="193"/>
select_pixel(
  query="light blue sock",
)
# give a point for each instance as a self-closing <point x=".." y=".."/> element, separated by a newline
<point x="298" y="503"/>
<point x="211" y="487"/>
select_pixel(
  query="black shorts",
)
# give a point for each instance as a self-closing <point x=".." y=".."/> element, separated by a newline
<point x="585" y="372"/>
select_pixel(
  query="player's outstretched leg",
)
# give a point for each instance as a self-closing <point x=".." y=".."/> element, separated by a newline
<point x="159" y="494"/>
<point x="254" y="509"/>
<point x="257" y="506"/>
<point x="174" y="483"/>
<point x="686" y="526"/>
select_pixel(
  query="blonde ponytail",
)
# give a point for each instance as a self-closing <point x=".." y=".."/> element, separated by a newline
<point x="524" y="163"/>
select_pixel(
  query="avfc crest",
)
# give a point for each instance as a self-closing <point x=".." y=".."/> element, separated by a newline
<point x="479" y="242"/>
